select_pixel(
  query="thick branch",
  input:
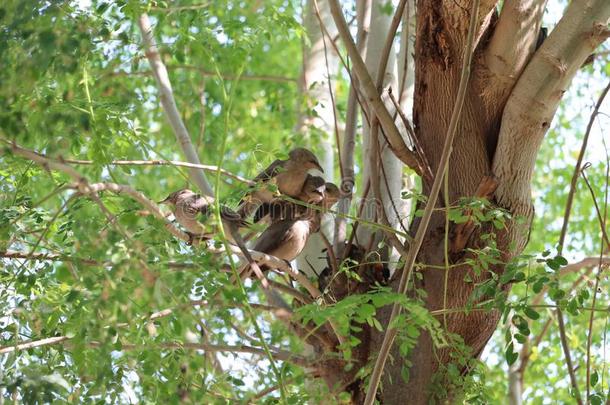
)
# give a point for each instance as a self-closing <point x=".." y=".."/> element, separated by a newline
<point x="536" y="96"/>
<point x="512" y="44"/>
<point x="169" y="105"/>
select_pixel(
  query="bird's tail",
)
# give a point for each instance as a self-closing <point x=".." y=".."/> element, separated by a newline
<point x="234" y="233"/>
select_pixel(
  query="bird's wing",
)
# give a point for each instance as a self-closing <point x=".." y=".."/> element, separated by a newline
<point x="227" y="214"/>
<point x="274" y="236"/>
<point x="270" y="172"/>
<point x="202" y="205"/>
<point x="276" y="209"/>
<point x="262" y="212"/>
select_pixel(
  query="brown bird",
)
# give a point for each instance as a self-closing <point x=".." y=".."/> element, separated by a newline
<point x="189" y="206"/>
<point x="312" y="193"/>
<point x="286" y="238"/>
<point x="288" y="175"/>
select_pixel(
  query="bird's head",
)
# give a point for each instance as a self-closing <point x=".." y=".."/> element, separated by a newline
<point x="331" y="195"/>
<point x="313" y="189"/>
<point x="305" y="158"/>
<point x="174" y="197"/>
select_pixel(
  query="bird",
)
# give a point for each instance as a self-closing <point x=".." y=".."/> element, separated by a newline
<point x="288" y="175"/>
<point x="189" y="206"/>
<point x="311" y="193"/>
<point x="286" y="238"/>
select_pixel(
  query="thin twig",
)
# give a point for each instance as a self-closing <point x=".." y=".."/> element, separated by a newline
<point x="207" y="73"/>
<point x="562" y="236"/>
<point x="171" y="10"/>
<point x="330" y="88"/>
<point x="268" y="391"/>
<point x="598" y="275"/>
<point x="33" y="344"/>
<point x="588" y="264"/>
<point x="349" y="135"/>
<point x="601" y="220"/>
<point x="577" y="167"/>
<point x="278" y="354"/>
<point x="390" y="334"/>
<point x="208" y="168"/>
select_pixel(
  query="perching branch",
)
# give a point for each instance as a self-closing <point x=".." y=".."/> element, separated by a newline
<point x="208" y="168"/>
<point x="84" y="187"/>
<point x="169" y="105"/>
<point x="278" y="354"/>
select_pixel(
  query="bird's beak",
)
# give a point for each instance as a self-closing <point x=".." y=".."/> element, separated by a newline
<point x="165" y="201"/>
<point x="319" y="167"/>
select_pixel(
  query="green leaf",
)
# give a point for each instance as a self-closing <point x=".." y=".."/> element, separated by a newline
<point x="594" y="378"/>
<point x="531" y="313"/>
<point x="510" y="355"/>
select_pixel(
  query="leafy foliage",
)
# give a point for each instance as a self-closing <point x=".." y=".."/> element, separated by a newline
<point x="132" y="304"/>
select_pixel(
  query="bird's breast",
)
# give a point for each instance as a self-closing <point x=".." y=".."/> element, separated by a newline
<point x="291" y="182"/>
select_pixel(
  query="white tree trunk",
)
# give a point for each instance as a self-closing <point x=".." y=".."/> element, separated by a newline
<point x="515" y="389"/>
<point x="318" y="63"/>
<point x="348" y="182"/>
<point x="392" y="166"/>
<point x="406" y="63"/>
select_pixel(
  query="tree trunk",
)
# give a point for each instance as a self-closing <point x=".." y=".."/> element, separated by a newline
<point x="486" y="143"/>
<point x="512" y="93"/>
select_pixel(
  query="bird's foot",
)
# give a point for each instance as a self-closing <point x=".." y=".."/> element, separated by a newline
<point x="195" y="239"/>
<point x="192" y="237"/>
<point x="291" y="269"/>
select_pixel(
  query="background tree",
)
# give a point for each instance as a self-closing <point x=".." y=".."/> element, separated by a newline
<point x="433" y="117"/>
